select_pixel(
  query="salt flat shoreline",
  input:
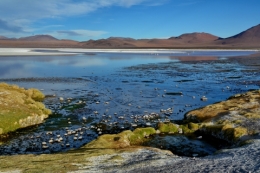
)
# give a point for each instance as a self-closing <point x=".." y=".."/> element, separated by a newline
<point x="75" y="51"/>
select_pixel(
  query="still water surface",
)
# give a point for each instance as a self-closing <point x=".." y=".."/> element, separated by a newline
<point x="111" y="92"/>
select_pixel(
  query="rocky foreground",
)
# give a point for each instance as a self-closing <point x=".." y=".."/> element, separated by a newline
<point x="235" y="121"/>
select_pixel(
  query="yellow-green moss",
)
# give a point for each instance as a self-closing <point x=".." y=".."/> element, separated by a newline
<point x="120" y="140"/>
<point x="193" y="126"/>
<point x="20" y="108"/>
<point x="168" y="127"/>
<point x="123" y="139"/>
<point x="35" y="94"/>
<point x="140" y="135"/>
<point x="227" y="132"/>
<point x="185" y="129"/>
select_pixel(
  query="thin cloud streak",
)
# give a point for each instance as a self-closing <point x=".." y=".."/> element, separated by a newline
<point x="70" y="33"/>
<point x="8" y="27"/>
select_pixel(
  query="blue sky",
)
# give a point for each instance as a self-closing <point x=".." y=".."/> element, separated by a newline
<point x="95" y="19"/>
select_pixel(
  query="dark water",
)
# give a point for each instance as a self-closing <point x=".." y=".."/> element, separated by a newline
<point x="111" y="92"/>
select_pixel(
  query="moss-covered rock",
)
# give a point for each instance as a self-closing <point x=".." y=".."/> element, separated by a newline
<point x="140" y="135"/>
<point x="230" y="119"/>
<point x="193" y="126"/>
<point x="168" y="128"/>
<point x="20" y="108"/>
<point x="122" y="140"/>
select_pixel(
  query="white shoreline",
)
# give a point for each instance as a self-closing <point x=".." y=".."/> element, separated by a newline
<point x="74" y="51"/>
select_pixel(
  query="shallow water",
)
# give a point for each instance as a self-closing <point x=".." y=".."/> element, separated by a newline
<point x="111" y="92"/>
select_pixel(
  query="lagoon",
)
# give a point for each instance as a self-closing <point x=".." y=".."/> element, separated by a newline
<point x="108" y="92"/>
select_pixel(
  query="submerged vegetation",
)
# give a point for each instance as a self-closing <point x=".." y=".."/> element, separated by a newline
<point x="20" y="108"/>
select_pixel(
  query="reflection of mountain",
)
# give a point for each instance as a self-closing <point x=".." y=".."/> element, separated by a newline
<point x="246" y="39"/>
<point x="196" y="58"/>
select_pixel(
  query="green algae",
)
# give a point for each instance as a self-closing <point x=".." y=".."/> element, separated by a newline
<point x="168" y="127"/>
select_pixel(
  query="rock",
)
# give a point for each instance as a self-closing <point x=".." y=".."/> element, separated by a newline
<point x="231" y="119"/>
<point x="88" y="160"/>
<point x="122" y="140"/>
<point x="203" y="98"/>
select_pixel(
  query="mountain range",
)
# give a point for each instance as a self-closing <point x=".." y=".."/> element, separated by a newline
<point x="249" y="38"/>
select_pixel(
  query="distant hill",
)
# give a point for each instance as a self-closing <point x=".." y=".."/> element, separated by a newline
<point x="111" y="42"/>
<point x="196" y="37"/>
<point x="186" y="39"/>
<point x="4" y="38"/>
<point x="38" y="41"/>
<point x="39" y="38"/>
<point x="249" y="38"/>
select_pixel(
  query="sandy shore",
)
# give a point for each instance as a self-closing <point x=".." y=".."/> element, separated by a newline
<point x="68" y="51"/>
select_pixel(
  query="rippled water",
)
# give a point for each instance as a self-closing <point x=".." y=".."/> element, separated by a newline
<point x="111" y="92"/>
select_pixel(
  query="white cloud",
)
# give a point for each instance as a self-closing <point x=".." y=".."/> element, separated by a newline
<point x="35" y="9"/>
<point x="18" y="17"/>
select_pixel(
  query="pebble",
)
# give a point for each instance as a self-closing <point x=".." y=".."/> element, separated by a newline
<point x="134" y="125"/>
<point x="148" y="124"/>
<point x="204" y="98"/>
<point x="194" y="155"/>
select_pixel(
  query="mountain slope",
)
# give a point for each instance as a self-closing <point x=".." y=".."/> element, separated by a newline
<point x="247" y="38"/>
<point x="39" y="38"/>
<point x="196" y="37"/>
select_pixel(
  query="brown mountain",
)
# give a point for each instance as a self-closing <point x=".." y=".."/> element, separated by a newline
<point x="39" y="38"/>
<point x="248" y="38"/>
<point x="111" y="42"/>
<point x="188" y="40"/>
<point x="4" y="38"/>
<point x="196" y="37"/>
<point x="38" y="41"/>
